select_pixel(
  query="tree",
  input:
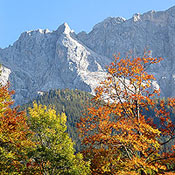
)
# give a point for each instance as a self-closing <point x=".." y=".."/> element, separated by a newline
<point x="118" y="136"/>
<point x="14" y="136"/>
<point x="72" y="102"/>
<point x="54" y="149"/>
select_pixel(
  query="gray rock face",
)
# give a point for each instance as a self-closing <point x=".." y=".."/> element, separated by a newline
<point x="153" y="31"/>
<point x="41" y="60"/>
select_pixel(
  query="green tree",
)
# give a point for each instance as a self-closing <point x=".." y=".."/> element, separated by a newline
<point x="54" y="149"/>
<point x="72" y="102"/>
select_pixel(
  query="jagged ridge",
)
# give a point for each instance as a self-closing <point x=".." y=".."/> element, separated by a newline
<point x="42" y="60"/>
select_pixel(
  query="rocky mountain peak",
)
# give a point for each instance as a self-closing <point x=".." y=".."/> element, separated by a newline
<point x="34" y="33"/>
<point x="41" y="60"/>
<point x="110" y="21"/>
<point x="136" y="17"/>
<point x="157" y="17"/>
<point x="64" y="28"/>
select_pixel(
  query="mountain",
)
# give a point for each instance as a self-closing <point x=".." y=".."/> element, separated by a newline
<point x="42" y="60"/>
<point x="154" y="31"/>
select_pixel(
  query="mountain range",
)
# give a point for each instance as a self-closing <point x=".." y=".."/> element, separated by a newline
<point x="41" y="60"/>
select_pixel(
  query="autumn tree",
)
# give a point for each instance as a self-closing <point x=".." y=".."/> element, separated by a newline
<point x="54" y="151"/>
<point x="118" y="136"/>
<point x="15" y="136"/>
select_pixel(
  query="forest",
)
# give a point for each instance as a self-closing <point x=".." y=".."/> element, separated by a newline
<point x="124" y="129"/>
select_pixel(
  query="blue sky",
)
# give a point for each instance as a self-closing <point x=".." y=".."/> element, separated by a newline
<point x="17" y="16"/>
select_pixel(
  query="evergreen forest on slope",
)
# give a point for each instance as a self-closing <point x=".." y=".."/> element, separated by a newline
<point x="72" y="102"/>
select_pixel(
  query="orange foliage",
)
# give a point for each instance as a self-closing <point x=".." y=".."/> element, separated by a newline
<point x="118" y="136"/>
<point x="14" y="136"/>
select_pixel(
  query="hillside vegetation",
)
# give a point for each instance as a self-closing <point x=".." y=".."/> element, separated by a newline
<point x="72" y="102"/>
